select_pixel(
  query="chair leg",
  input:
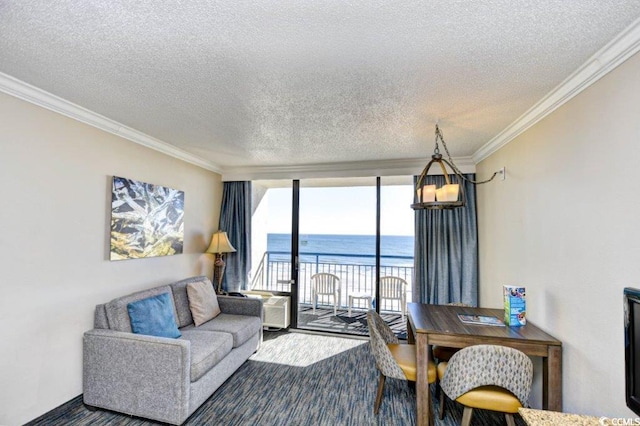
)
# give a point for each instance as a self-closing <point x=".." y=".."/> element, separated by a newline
<point x="315" y="302"/>
<point x="442" y="402"/>
<point x="466" y="416"/>
<point x="510" y="420"/>
<point x="379" y="394"/>
<point x="432" y="415"/>
<point x="350" y="303"/>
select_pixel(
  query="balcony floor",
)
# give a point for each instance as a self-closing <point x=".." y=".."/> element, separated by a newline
<point x="324" y="320"/>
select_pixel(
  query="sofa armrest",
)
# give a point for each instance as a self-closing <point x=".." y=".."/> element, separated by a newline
<point x="140" y="375"/>
<point x="240" y="305"/>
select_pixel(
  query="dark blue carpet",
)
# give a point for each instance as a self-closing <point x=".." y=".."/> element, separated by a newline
<point x="295" y="379"/>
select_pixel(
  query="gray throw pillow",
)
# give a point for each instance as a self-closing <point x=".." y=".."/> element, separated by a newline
<point x="203" y="302"/>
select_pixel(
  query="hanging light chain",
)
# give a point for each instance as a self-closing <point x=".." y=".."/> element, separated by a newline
<point x="455" y="168"/>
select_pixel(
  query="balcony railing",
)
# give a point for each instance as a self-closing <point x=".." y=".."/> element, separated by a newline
<point x="356" y="272"/>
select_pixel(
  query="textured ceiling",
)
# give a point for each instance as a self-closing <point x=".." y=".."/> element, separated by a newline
<point x="264" y="83"/>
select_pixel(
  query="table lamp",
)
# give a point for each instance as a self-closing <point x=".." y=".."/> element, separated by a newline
<point x="219" y="246"/>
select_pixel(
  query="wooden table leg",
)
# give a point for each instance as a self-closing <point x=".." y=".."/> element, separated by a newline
<point x="422" y="383"/>
<point x="410" y="337"/>
<point x="552" y="379"/>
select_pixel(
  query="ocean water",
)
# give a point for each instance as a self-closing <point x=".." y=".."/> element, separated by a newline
<point x="351" y="249"/>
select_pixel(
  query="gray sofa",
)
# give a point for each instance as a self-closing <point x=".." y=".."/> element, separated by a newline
<point x="162" y="378"/>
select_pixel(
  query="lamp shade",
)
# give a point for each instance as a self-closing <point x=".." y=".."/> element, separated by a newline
<point x="220" y="243"/>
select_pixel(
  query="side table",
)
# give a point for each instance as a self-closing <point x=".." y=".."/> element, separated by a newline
<point x="361" y="296"/>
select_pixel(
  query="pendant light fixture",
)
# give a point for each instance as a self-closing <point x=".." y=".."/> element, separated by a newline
<point x="449" y="196"/>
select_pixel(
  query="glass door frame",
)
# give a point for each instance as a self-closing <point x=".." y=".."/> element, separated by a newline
<point x="295" y="248"/>
<point x="378" y="246"/>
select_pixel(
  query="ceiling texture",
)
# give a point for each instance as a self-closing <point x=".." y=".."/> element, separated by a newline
<point x="240" y="84"/>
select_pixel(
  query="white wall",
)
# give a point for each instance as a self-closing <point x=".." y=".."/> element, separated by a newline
<point x="55" y="176"/>
<point x="565" y="223"/>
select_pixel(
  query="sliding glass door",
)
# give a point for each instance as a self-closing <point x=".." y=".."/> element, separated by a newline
<point x="316" y="241"/>
<point x="337" y="243"/>
<point x="274" y="248"/>
<point x="396" y="251"/>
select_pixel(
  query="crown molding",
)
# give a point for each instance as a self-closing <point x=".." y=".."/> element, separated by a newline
<point x="614" y="53"/>
<point x="354" y="169"/>
<point x="21" y="90"/>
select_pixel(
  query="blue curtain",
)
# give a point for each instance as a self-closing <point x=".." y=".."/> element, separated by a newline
<point x="446" y="251"/>
<point x="235" y="219"/>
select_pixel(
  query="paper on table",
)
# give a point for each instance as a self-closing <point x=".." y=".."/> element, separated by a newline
<point x="481" y="320"/>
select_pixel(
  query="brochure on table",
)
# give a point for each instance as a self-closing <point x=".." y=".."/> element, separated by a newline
<point x="481" y="320"/>
<point x="515" y="305"/>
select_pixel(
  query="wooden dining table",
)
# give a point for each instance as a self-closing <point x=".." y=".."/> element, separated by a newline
<point x="429" y="325"/>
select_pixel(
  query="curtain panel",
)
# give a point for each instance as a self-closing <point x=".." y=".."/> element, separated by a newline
<point x="446" y="251"/>
<point x="235" y="219"/>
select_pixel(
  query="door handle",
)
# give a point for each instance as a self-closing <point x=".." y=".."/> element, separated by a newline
<point x="292" y="282"/>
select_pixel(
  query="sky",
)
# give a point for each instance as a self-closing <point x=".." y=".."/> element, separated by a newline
<point x="343" y="210"/>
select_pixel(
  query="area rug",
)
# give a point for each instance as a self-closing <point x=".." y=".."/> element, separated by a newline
<point x="359" y="318"/>
<point x="356" y="324"/>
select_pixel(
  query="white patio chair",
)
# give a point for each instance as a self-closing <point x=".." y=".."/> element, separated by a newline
<point x="394" y="288"/>
<point x="325" y="284"/>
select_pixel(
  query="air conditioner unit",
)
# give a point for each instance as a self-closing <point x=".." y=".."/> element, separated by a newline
<point x="276" y="312"/>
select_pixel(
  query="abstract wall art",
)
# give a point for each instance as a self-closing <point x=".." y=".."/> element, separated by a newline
<point x="146" y="220"/>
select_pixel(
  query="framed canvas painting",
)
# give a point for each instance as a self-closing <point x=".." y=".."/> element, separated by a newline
<point x="146" y="220"/>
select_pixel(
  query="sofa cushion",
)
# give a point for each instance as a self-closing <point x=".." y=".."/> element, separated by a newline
<point x="154" y="316"/>
<point x="208" y="348"/>
<point x="181" y="299"/>
<point x="203" y="302"/>
<point x="117" y="314"/>
<point x="241" y="327"/>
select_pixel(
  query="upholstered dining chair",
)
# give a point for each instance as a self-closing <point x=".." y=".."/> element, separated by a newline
<point x="325" y="284"/>
<point x="392" y="358"/>
<point x="394" y="288"/>
<point x="488" y="377"/>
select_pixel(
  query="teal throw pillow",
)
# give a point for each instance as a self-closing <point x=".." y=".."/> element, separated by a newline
<point x="154" y="316"/>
